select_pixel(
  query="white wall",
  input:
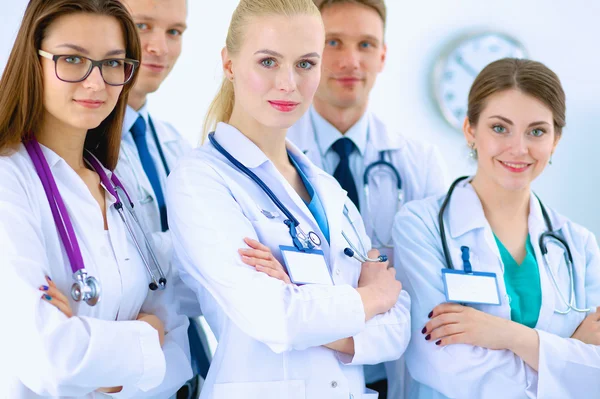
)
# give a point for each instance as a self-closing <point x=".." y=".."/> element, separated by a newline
<point x="563" y="35"/>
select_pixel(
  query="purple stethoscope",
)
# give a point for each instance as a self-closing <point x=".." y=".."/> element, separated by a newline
<point x="85" y="287"/>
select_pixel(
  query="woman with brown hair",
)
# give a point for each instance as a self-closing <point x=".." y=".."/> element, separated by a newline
<point x="62" y="100"/>
<point x="504" y="289"/>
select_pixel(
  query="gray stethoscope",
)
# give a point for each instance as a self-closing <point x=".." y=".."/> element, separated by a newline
<point x="550" y="234"/>
<point x="87" y="288"/>
<point x="301" y="240"/>
<point x="381" y="166"/>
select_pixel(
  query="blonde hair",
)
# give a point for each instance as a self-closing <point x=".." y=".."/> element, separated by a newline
<point x="222" y="105"/>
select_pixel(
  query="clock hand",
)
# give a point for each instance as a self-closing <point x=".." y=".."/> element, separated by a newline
<point x="460" y="61"/>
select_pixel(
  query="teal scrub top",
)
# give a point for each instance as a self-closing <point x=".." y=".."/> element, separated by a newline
<point x="522" y="285"/>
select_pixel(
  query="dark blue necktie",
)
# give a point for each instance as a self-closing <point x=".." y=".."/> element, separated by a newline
<point x="344" y="147"/>
<point x="138" y="130"/>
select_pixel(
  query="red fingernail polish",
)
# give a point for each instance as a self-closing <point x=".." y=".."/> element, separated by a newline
<point x="424" y="330"/>
<point x="428" y="337"/>
<point x="438" y="342"/>
<point x="430" y="314"/>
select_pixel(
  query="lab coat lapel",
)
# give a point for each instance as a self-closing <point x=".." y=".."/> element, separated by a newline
<point x="465" y="213"/>
<point x="332" y="197"/>
<point x="130" y="150"/>
<point x="537" y="227"/>
<point x="380" y="138"/>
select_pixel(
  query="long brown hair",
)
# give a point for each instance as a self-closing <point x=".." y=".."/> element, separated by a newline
<point x="21" y="88"/>
<point x="530" y="77"/>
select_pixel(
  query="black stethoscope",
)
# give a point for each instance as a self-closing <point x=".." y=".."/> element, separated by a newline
<point x="300" y="239"/>
<point x="549" y="234"/>
<point x="391" y="170"/>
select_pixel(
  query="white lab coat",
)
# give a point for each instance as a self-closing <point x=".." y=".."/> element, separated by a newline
<point x="420" y="168"/>
<point x="568" y="368"/>
<point x="131" y="172"/>
<point x="101" y="346"/>
<point x="418" y="164"/>
<point x="271" y="334"/>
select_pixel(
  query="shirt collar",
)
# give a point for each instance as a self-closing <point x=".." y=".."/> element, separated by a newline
<point x="327" y="134"/>
<point x="132" y="115"/>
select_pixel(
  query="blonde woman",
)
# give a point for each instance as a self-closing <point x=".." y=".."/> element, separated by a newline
<point x="306" y="329"/>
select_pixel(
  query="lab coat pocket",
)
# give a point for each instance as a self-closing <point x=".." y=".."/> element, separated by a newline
<point x="293" y="389"/>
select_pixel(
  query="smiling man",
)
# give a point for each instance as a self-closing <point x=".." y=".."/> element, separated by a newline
<point x="150" y="149"/>
<point x="342" y="136"/>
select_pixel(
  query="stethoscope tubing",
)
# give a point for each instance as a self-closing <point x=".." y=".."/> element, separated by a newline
<point x="549" y="234"/>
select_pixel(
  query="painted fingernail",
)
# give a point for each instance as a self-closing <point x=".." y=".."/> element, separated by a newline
<point x="424" y="330"/>
<point x="47" y="297"/>
<point x="48" y="277"/>
<point x="438" y="342"/>
<point x="428" y="337"/>
<point x="44" y="288"/>
<point x="430" y="314"/>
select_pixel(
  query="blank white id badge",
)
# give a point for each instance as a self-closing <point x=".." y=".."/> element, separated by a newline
<point x="306" y="267"/>
<point x="474" y="288"/>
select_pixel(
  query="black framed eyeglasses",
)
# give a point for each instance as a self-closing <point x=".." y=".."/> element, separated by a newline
<point x="73" y="68"/>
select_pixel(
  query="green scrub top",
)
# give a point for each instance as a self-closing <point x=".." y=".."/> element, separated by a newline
<point x="522" y="285"/>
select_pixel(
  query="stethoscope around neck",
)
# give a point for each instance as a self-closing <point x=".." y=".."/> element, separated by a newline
<point x="380" y="165"/>
<point x="549" y="234"/>
<point x="87" y="288"/>
<point x="302" y="241"/>
<point x="391" y="170"/>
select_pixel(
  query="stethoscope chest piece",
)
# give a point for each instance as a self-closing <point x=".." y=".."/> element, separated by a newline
<point x="314" y="238"/>
<point x="85" y="288"/>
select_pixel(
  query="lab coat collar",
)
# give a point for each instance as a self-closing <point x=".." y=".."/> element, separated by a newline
<point x="327" y="134"/>
<point x="332" y="196"/>
<point x="55" y="162"/>
<point x="465" y="213"/>
<point x="381" y="138"/>
<point x="239" y="146"/>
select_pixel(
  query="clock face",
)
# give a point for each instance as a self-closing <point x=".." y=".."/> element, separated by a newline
<point x="456" y="71"/>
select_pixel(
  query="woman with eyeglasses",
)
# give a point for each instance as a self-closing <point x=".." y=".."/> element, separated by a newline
<point x="92" y="313"/>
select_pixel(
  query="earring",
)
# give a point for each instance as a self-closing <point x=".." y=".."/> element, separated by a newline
<point x="473" y="152"/>
<point x="550" y="161"/>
